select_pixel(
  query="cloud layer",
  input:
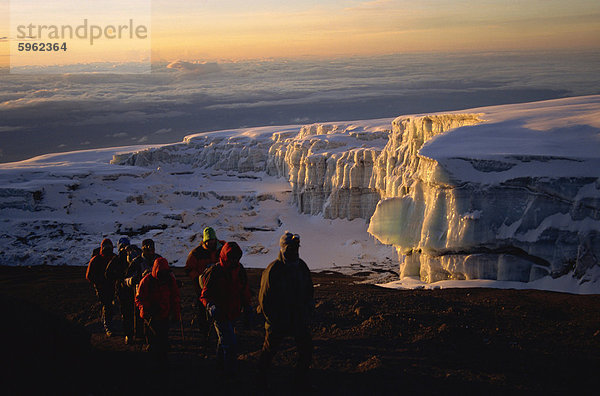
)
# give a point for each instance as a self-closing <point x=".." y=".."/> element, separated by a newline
<point x="48" y="113"/>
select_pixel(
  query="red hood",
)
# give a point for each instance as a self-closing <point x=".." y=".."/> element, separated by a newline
<point x="230" y="254"/>
<point x="160" y="263"/>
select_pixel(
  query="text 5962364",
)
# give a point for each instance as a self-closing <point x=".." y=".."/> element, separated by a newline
<point x="42" y="47"/>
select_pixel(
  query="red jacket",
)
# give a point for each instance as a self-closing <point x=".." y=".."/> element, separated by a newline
<point x="156" y="298"/>
<point x="96" y="269"/>
<point x="200" y="258"/>
<point x="226" y="284"/>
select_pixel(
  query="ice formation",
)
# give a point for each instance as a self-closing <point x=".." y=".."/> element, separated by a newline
<point x="505" y="192"/>
<point x="329" y="166"/>
<point x="514" y="198"/>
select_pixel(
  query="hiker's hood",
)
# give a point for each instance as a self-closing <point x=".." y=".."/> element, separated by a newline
<point x="231" y="254"/>
<point x="106" y="244"/>
<point x="160" y="264"/>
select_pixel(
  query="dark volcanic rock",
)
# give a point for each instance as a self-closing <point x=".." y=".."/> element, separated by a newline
<point x="367" y="340"/>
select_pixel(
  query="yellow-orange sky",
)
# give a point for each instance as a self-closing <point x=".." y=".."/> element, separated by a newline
<point x="334" y="28"/>
<point x="215" y="30"/>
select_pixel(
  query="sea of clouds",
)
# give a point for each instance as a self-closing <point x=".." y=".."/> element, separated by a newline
<point x="43" y="113"/>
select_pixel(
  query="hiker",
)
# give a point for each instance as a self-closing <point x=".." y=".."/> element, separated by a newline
<point x="225" y="293"/>
<point x="199" y="259"/>
<point x="286" y="301"/>
<point x="139" y="267"/>
<point x="117" y="271"/>
<point x="105" y="288"/>
<point x="133" y="252"/>
<point x="158" y="299"/>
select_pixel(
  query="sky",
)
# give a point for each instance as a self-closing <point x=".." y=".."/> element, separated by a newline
<point x="240" y="29"/>
<point x="217" y="30"/>
<point x="229" y="64"/>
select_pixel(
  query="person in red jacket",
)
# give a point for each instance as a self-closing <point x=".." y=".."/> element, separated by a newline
<point x="158" y="299"/>
<point x="199" y="259"/>
<point x="225" y="294"/>
<point x="105" y="288"/>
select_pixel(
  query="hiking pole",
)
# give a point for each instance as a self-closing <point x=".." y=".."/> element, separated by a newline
<point x="209" y="325"/>
<point x="148" y="326"/>
<point x="135" y="325"/>
<point x="181" y="326"/>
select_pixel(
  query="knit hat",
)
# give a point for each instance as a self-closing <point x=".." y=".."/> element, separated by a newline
<point x="123" y="242"/>
<point x="288" y="239"/>
<point x="147" y="243"/>
<point x="208" y="234"/>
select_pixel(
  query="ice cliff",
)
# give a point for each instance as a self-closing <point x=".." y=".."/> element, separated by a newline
<point x="505" y="192"/>
<point x="329" y="166"/>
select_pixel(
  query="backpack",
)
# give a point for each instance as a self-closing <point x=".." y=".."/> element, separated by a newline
<point x="203" y="278"/>
<point x="208" y="272"/>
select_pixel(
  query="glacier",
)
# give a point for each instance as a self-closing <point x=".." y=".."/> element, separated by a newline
<point x="514" y="198"/>
<point x="508" y="193"/>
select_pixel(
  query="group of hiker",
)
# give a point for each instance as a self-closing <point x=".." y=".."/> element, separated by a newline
<point x="149" y="297"/>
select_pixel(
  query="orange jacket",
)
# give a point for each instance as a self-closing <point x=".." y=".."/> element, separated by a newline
<point x="156" y="298"/>
<point x="200" y="258"/>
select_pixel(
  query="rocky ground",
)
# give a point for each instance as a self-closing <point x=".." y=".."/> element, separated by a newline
<point x="368" y="340"/>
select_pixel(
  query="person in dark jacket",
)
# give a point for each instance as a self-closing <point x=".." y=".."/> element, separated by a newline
<point x="199" y="259"/>
<point x="139" y="267"/>
<point x="117" y="271"/>
<point x="105" y="288"/>
<point x="158" y="299"/>
<point x="225" y="294"/>
<point x="286" y="301"/>
<point x="143" y="264"/>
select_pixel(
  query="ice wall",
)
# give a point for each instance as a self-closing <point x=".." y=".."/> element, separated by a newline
<point x="329" y="166"/>
<point x="507" y="193"/>
<point x="218" y="151"/>
<point x="501" y="200"/>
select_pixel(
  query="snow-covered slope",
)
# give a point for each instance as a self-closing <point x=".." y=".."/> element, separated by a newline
<point x="505" y="192"/>
<point x="56" y="208"/>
